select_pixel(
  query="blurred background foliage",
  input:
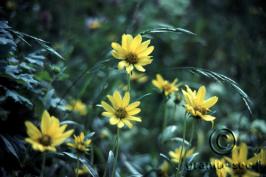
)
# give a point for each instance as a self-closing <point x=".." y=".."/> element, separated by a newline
<point x="230" y="39"/>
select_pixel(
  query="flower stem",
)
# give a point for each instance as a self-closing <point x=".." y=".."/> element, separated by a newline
<point x="165" y="118"/>
<point x="116" y="152"/>
<point x="77" y="167"/>
<point x="183" y="143"/>
<point x="128" y="82"/>
<point x="43" y="164"/>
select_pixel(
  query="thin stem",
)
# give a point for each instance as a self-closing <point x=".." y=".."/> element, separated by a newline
<point x="128" y="82"/>
<point x="77" y="167"/>
<point x="43" y="164"/>
<point x="165" y="116"/>
<point x="116" y="152"/>
<point x="183" y="143"/>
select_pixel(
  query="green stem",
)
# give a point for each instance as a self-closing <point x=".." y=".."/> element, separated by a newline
<point x="165" y="118"/>
<point x="43" y="164"/>
<point x="128" y="82"/>
<point x="116" y="152"/>
<point x="183" y="143"/>
<point x="77" y="167"/>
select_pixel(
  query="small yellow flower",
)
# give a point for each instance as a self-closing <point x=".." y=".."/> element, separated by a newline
<point x="221" y="167"/>
<point x="196" y="104"/>
<point x="164" y="85"/>
<point x="93" y="23"/>
<point x="240" y="164"/>
<point x="164" y="169"/>
<point x="132" y="53"/>
<point x="80" y="144"/>
<point x="139" y="77"/>
<point x="175" y="155"/>
<point x="120" y="111"/>
<point x="77" y="106"/>
<point x="50" y="135"/>
<point x="82" y="171"/>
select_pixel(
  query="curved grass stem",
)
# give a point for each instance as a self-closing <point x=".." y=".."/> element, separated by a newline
<point x="116" y="152"/>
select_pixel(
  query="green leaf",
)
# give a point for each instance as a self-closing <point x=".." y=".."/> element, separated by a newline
<point x="168" y="133"/>
<point x="167" y="30"/>
<point x="10" y="148"/>
<point x="110" y="162"/>
<point x="84" y="161"/>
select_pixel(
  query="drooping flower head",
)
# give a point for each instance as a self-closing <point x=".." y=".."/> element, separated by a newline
<point x="132" y="53"/>
<point x="49" y="136"/>
<point x="139" y="77"/>
<point x="164" y="85"/>
<point x="120" y="112"/>
<point x="176" y="154"/>
<point x="196" y="104"/>
<point x="240" y="163"/>
<point x="80" y="144"/>
<point x="77" y="106"/>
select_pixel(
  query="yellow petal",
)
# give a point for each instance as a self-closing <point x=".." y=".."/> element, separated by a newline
<point x="122" y="64"/>
<point x="139" y="68"/>
<point x="135" y="43"/>
<point x="45" y="122"/>
<point x="133" y="118"/>
<point x="117" y="98"/>
<point x="208" y="117"/>
<point x="32" y="131"/>
<point x="146" y="52"/>
<point x="107" y="107"/>
<point x="120" y="124"/>
<point x="210" y="102"/>
<point x="107" y="114"/>
<point x="134" y="111"/>
<point x="243" y="152"/>
<point x="132" y="106"/>
<point x="126" y="99"/>
<point x="201" y="93"/>
<point x="143" y="46"/>
<point x="114" y="121"/>
<point x="128" y="123"/>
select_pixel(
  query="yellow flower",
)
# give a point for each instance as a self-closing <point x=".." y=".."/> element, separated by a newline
<point x="93" y="23"/>
<point x="80" y="144"/>
<point x="196" y="104"/>
<point x="164" y="169"/>
<point x="240" y="164"/>
<point x="77" y="106"/>
<point x="175" y="155"/>
<point x="139" y="77"/>
<point x="120" y="111"/>
<point x="82" y="171"/>
<point x="164" y="85"/>
<point x="50" y="135"/>
<point x="132" y="53"/>
<point x="221" y="167"/>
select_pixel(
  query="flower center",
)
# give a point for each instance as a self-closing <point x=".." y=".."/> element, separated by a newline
<point x="45" y="140"/>
<point x="201" y="110"/>
<point x="239" y="170"/>
<point x="121" y="113"/>
<point x="132" y="58"/>
<point x="167" y="87"/>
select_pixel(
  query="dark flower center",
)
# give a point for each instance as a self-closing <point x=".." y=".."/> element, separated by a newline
<point x="121" y="113"/>
<point x="167" y="87"/>
<point x="201" y="110"/>
<point x="238" y="169"/>
<point x="132" y="58"/>
<point x="45" y="140"/>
